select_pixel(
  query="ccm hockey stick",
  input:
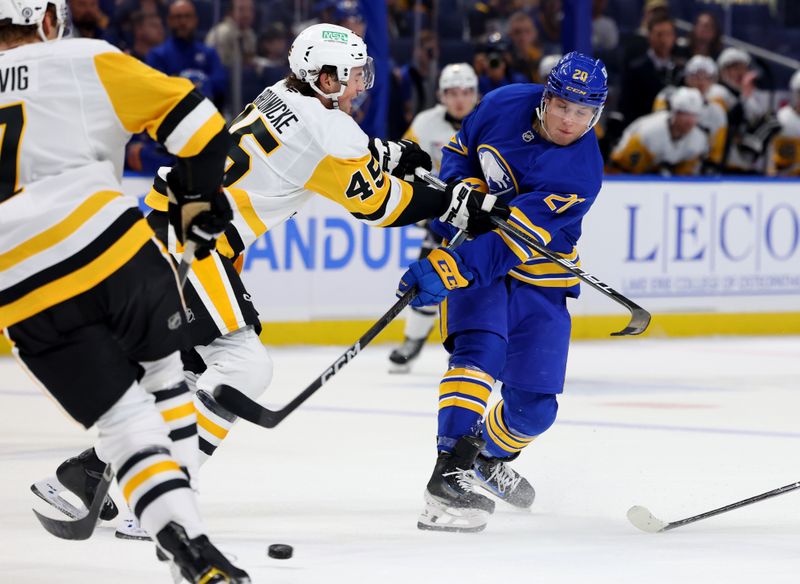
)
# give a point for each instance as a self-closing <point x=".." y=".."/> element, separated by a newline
<point x="640" y="318"/>
<point x="239" y="404"/>
<point x="646" y="521"/>
<point x="80" y="529"/>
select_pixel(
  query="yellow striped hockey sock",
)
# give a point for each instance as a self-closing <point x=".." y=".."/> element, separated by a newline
<point x="213" y="424"/>
<point x="157" y="490"/>
<point x="463" y="393"/>
<point x="501" y="441"/>
<point x="176" y="407"/>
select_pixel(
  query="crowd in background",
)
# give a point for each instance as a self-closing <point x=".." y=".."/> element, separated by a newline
<point x="679" y="104"/>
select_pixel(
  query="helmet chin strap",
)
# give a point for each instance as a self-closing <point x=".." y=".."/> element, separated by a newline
<point x="334" y="97"/>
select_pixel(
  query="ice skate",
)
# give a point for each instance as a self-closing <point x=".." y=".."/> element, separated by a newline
<point x="197" y="559"/>
<point x="80" y="476"/>
<point x="403" y="355"/>
<point x="451" y="503"/>
<point x="502" y="481"/>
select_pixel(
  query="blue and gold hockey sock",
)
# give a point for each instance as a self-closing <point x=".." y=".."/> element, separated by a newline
<point x="501" y="440"/>
<point x="463" y="393"/>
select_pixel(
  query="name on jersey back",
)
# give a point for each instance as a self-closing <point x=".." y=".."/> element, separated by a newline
<point x="275" y="110"/>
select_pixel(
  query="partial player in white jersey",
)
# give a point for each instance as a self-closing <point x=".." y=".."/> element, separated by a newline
<point x="784" y="152"/>
<point x="88" y="296"/>
<point x="665" y="142"/>
<point x="750" y="123"/>
<point x="700" y="72"/>
<point x="432" y="129"/>
<point x="295" y="141"/>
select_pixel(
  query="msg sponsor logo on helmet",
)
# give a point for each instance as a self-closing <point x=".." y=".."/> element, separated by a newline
<point x="332" y="35"/>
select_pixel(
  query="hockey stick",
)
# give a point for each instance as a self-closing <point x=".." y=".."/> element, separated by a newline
<point x="84" y="527"/>
<point x="186" y="262"/>
<point x="640" y="318"/>
<point x="239" y="404"/>
<point x="646" y="521"/>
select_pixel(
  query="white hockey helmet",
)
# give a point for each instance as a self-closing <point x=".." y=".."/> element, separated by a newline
<point x="700" y="64"/>
<point x="794" y="82"/>
<point x="687" y="100"/>
<point x="332" y="45"/>
<point x="31" y="12"/>
<point x="458" y="75"/>
<point x="546" y="65"/>
<point x="732" y="56"/>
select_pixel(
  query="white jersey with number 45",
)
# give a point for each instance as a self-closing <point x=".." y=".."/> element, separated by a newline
<point x="291" y="147"/>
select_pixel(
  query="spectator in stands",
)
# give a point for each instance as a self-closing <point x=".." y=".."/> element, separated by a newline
<point x="784" y="159"/>
<point x="701" y="73"/>
<point x="121" y="27"/>
<point x="488" y="17"/>
<point x="182" y="55"/>
<point x="347" y="14"/>
<point x="605" y="33"/>
<point x="648" y="73"/>
<point x="416" y="81"/>
<point x="401" y="18"/>
<point x="750" y="123"/>
<point x="705" y="37"/>
<point x="148" y="33"/>
<point x="492" y="64"/>
<point x="665" y="142"/>
<point x="88" y="21"/>
<point x="234" y="38"/>
<point x="142" y="153"/>
<point x="549" y="25"/>
<point x="525" y="50"/>
<point x="273" y="46"/>
<point x="638" y="43"/>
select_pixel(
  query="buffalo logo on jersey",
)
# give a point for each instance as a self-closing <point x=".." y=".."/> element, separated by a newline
<point x="498" y="175"/>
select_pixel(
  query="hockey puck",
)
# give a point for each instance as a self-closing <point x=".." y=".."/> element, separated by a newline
<point x="280" y="551"/>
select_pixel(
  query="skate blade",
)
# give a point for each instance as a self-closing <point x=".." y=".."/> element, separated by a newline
<point x="49" y="490"/>
<point x="128" y="528"/>
<point x="132" y="536"/>
<point x="438" y="516"/>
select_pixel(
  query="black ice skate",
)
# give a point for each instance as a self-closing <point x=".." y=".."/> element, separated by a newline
<point x="197" y="559"/>
<point x="502" y="481"/>
<point x="79" y="475"/>
<point x="451" y="503"/>
<point x="403" y="355"/>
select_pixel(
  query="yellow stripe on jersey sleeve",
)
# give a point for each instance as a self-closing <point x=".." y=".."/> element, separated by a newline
<point x="244" y="207"/>
<point x="156" y="201"/>
<point x="142" y="98"/>
<point x="633" y="156"/>
<point x="411" y="135"/>
<point x="359" y="185"/>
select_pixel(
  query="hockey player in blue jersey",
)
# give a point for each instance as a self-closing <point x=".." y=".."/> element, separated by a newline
<point x="505" y="318"/>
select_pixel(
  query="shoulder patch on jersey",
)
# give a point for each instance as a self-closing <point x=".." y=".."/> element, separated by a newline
<point x="496" y="171"/>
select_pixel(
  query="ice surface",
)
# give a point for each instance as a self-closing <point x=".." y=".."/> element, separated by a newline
<point x="681" y="426"/>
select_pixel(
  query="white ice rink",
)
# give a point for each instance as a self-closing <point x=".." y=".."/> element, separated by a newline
<point x="681" y="426"/>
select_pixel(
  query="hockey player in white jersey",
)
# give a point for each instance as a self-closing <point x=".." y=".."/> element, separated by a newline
<point x="784" y="157"/>
<point x="88" y="297"/>
<point x="665" y="142"/>
<point x="700" y="72"/>
<point x="432" y="129"/>
<point x="295" y="141"/>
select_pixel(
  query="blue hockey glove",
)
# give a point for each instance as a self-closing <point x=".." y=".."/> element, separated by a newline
<point x="434" y="277"/>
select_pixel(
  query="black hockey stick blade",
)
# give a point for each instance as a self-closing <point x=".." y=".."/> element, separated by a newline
<point x="82" y="528"/>
<point x="641" y="517"/>
<point x="186" y="262"/>
<point x="239" y="404"/>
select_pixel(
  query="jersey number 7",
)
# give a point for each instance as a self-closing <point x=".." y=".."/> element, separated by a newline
<point x="12" y="122"/>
